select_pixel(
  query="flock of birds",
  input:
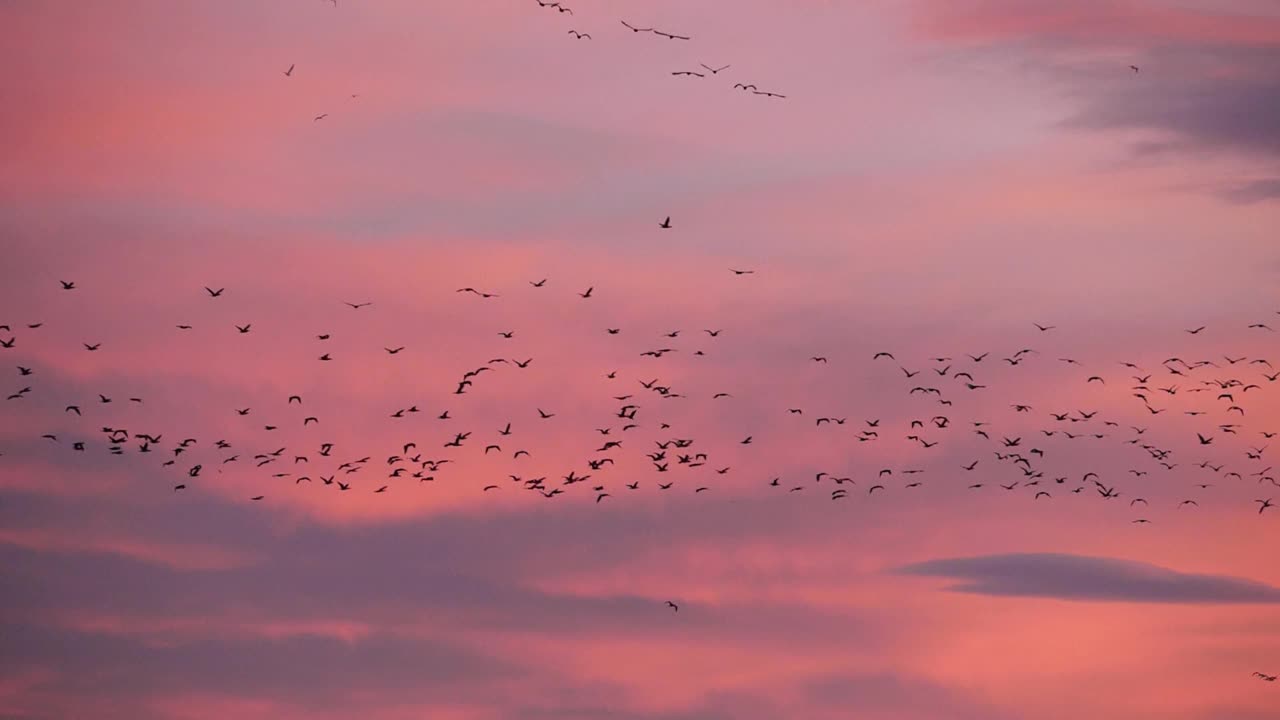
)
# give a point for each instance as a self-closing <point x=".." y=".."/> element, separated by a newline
<point x="1216" y="389"/>
<point x="561" y="8"/>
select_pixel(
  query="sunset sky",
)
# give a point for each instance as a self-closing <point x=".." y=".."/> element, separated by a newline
<point x="940" y="176"/>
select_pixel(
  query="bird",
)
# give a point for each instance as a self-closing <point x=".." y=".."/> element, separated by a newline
<point x="666" y="223"/>
<point x="321" y="116"/>
<point x="1133" y="68"/>
<point x="714" y="71"/>
<point x="356" y="306"/>
<point x="1264" y="504"/>
<point x="586" y="294"/>
<point x="674" y="607"/>
<point x="214" y="293"/>
<point x="579" y="35"/>
<point x="289" y="72"/>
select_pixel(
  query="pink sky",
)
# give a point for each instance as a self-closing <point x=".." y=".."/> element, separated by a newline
<point x="941" y="175"/>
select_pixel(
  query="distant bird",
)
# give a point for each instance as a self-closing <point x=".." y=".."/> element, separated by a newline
<point x="580" y="36"/>
<point x="289" y="72"/>
<point x="673" y="606"/>
<point x="1133" y="68"/>
<point x="320" y="117"/>
<point x="665" y="224"/>
<point x="356" y="306"/>
<point x="214" y="293"/>
<point x="714" y="71"/>
<point x="742" y="272"/>
<point x="68" y="285"/>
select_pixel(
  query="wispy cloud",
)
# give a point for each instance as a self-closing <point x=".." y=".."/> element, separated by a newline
<point x="1075" y="577"/>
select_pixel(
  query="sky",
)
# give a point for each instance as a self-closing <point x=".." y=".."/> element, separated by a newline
<point x="940" y="177"/>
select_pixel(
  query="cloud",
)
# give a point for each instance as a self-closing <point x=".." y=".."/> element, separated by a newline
<point x="1209" y="77"/>
<point x="1095" y="22"/>
<point x="875" y="695"/>
<point x="165" y="553"/>
<point x="1075" y="577"/>
<point x="316" y="668"/>
<point x="1208" y="97"/>
<point x="1253" y="191"/>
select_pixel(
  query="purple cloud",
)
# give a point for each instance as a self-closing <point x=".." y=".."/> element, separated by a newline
<point x="1077" y="577"/>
